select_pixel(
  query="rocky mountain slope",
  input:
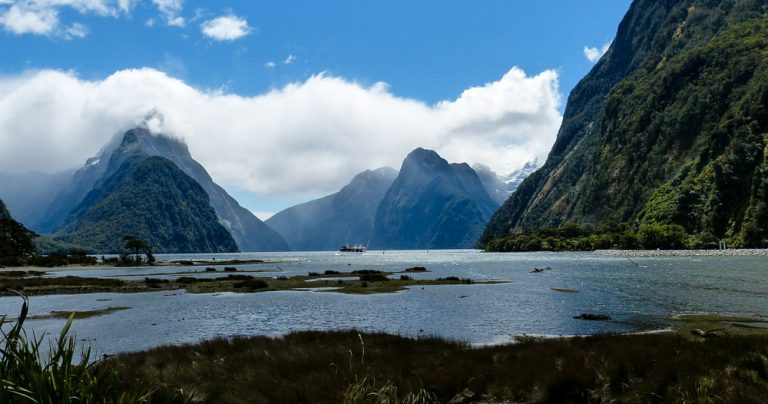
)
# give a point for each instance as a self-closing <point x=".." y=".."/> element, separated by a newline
<point x="670" y="127"/>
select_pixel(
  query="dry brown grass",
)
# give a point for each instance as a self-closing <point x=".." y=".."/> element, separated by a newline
<point x="323" y="366"/>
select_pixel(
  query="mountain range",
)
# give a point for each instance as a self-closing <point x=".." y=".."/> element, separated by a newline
<point x="345" y="217"/>
<point x="429" y="203"/>
<point x="669" y="127"/>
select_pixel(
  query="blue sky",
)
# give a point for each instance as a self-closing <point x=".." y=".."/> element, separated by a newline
<point x="411" y="62"/>
<point x="429" y="50"/>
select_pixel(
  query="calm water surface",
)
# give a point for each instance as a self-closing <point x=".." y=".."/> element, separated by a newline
<point x="641" y="294"/>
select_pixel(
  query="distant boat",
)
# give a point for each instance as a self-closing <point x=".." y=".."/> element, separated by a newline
<point x="358" y="248"/>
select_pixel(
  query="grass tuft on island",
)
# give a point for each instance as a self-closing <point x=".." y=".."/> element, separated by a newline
<point x="334" y="367"/>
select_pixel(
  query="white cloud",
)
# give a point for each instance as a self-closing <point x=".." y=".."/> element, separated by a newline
<point x="170" y="9"/>
<point x="305" y="139"/>
<point x="76" y="30"/>
<point x="41" y="17"/>
<point x="594" y="54"/>
<point x="226" y="28"/>
<point x="270" y="65"/>
<point x="20" y="20"/>
<point x="289" y="60"/>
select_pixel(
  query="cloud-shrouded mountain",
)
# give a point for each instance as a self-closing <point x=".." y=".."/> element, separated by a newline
<point x="668" y="128"/>
<point x="152" y="199"/>
<point x="432" y="204"/>
<point x="344" y="217"/>
<point x="250" y="233"/>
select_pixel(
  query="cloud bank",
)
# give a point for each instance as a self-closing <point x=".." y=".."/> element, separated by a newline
<point x="307" y="138"/>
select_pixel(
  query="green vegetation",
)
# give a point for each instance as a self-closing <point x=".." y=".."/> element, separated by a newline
<point x="572" y="237"/>
<point x="15" y="240"/>
<point x="335" y="367"/>
<point x="670" y="128"/>
<point x="26" y="376"/>
<point x="131" y="255"/>
<point x="152" y="200"/>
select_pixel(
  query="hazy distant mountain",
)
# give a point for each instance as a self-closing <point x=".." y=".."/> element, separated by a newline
<point x="344" y="217"/>
<point x="27" y="195"/>
<point x="432" y="204"/>
<point x="152" y="199"/>
<point x="250" y="233"/>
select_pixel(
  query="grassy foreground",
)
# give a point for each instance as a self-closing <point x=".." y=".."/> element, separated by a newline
<point x="338" y="367"/>
<point x="351" y="367"/>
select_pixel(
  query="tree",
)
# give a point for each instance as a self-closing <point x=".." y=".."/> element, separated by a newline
<point x="134" y="246"/>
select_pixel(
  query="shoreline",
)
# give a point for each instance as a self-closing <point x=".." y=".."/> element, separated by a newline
<point x="731" y="252"/>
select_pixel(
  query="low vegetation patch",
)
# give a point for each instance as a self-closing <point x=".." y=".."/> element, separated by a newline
<point x="336" y="367"/>
<point x="358" y="282"/>
<point x="77" y="315"/>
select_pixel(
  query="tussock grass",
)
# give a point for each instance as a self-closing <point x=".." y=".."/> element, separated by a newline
<point x="61" y="376"/>
<point x="333" y="367"/>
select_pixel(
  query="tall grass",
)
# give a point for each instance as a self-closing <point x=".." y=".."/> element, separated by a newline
<point x="28" y="375"/>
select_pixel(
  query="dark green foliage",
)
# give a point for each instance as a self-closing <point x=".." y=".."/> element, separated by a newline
<point x="60" y="260"/>
<point x="671" y="127"/>
<point x="612" y="235"/>
<point x="4" y="214"/>
<point x="15" y="240"/>
<point x="373" y="277"/>
<point x="251" y="284"/>
<point x="154" y="202"/>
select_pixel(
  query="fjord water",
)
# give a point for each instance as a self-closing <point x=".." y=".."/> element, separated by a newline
<point x="640" y="294"/>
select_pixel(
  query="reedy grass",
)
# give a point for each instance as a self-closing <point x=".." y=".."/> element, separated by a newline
<point x="63" y="377"/>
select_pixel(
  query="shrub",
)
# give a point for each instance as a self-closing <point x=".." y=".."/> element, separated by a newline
<point x="330" y="272"/>
<point x="416" y="269"/>
<point x="251" y="284"/>
<point x="374" y="277"/>
<point x="230" y="269"/>
<point x="366" y="272"/>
